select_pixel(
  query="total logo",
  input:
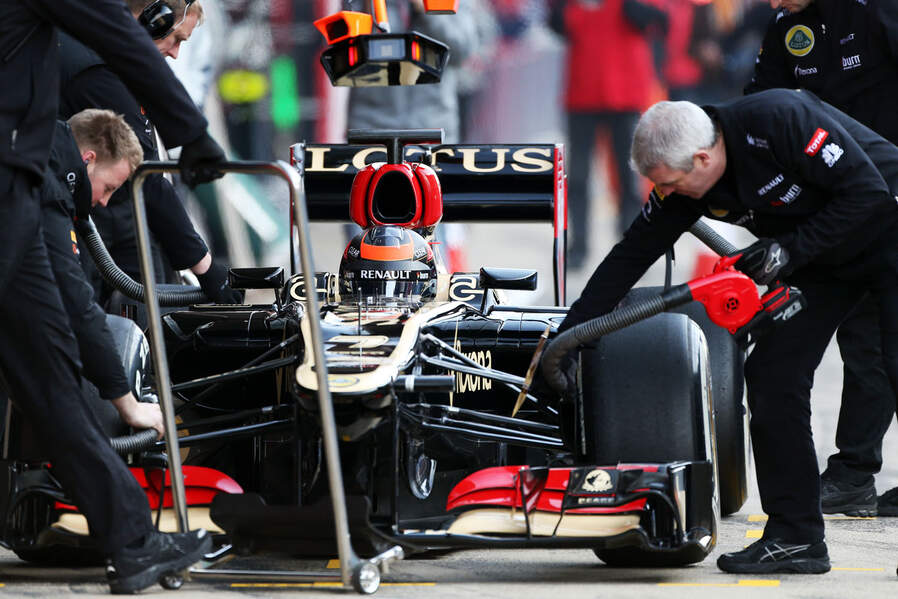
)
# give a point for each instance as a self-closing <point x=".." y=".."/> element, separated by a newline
<point x="816" y="142"/>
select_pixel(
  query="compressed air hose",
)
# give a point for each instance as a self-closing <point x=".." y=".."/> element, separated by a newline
<point x="119" y="280"/>
<point x="591" y="330"/>
<point x="134" y="443"/>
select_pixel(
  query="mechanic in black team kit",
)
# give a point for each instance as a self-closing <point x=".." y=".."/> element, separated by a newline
<point x="846" y="52"/>
<point x="91" y="156"/>
<point x="819" y="190"/>
<point x="38" y="355"/>
<point x="86" y="81"/>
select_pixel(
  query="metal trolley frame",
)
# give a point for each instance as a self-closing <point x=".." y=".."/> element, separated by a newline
<point x="362" y="575"/>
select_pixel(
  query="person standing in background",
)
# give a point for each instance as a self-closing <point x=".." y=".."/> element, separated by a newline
<point x="611" y="78"/>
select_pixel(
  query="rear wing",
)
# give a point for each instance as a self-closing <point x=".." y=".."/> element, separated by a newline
<point x="480" y="183"/>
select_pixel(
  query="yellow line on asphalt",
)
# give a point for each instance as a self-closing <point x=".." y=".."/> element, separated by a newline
<point x="741" y="583"/>
<point x="849" y="517"/>
<point x="861" y="569"/>
<point x="333" y="564"/>
<point x="292" y="585"/>
<point x="757" y="518"/>
<point x="754" y="533"/>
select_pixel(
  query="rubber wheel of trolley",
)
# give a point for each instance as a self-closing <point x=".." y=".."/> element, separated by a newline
<point x="645" y="400"/>
<point x="365" y="578"/>
<point x="728" y="401"/>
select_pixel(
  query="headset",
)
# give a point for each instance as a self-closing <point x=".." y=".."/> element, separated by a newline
<point x="158" y="18"/>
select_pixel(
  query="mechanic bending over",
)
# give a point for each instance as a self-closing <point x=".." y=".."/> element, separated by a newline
<point x="799" y="50"/>
<point x="38" y="354"/>
<point x="92" y="155"/>
<point x="86" y="81"/>
<point x="819" y="190"/>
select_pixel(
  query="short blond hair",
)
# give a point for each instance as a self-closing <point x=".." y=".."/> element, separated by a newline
<point x="108" y="135"/>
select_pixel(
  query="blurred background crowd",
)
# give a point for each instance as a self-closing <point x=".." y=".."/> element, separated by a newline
<point x="524" y="71"/>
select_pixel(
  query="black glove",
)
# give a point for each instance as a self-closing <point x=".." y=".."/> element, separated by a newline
<point x="763" y="261"/>
<point x="199" y="161"/>
<point x="215" y="285"/>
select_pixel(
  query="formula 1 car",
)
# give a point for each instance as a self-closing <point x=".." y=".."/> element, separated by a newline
<point x="445" y="442"/>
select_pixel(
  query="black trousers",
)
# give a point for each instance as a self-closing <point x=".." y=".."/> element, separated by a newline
<point x="867" y="402"/>
<point x="39" y="361"/>
<point x="779" y="375"/>
<point x="582" y="129"/>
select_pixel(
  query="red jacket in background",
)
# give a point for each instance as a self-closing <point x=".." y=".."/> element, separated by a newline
<point x="609" y="63"/>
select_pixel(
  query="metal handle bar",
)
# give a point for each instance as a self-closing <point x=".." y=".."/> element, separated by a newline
<point x="293" y="176"/>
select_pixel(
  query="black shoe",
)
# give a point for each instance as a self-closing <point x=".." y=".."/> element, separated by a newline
<point x="766" y="556"/>
<point x="887" y="503"/>
<point x="840" y="497"/>
<point x="134" y="569"/>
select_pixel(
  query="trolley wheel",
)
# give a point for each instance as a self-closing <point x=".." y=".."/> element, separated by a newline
<point x="365" y="578"/>
<point x="172" y="582"/>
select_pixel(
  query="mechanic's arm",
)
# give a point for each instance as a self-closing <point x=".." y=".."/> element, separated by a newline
<point x="99" y="356"/>
<point x="771" y="65"/>
<point x="108" y="28"/>
<point x="652" y="233"/>
<point x="835" y="163"/>
<point x="458" y="31"/>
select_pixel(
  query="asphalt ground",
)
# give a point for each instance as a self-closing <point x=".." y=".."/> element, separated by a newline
<point x="864" y="552"/>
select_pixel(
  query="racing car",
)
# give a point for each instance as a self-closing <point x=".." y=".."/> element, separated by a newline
<point x="445" y="441"/>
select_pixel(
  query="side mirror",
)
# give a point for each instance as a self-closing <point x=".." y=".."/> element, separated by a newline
<point x="508" y="278"/>
<point x="505" y="278"/>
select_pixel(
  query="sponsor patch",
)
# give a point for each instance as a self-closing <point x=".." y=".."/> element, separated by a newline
<point x="831" y="154"/>
<point x="787" y="198"/>
<point x="757" y="142"/>
<point x="596" y="481"/>
<point x="800" y="72"/>
<point x="846" y="39"/>
<point x="851" y="62"/>
<point x="816" y="142"/>
<point x="799" y="40"/>
<point x="771" y="184"/>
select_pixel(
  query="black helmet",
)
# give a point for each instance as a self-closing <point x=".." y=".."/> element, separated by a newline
<point x="386" y="262"/>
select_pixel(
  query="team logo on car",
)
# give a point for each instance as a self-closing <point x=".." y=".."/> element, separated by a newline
<point x="816" y="142"/>
<point x="596" y="481"/>
<point x="799" y="40"/>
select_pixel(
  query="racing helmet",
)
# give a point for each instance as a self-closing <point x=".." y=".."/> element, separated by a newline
<point x="388" y="262"/>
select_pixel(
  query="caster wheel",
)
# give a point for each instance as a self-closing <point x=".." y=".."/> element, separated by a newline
<point x="171" y="582"/>
<point x="365" y="578"/>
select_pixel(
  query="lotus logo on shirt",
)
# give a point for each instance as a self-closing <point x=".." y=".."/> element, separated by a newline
<point x="799" y="40"/>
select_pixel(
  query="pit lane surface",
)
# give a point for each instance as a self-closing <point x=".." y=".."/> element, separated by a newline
<point x="864" y="552"/>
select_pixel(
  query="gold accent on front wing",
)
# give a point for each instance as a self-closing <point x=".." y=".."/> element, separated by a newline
<point x="542" y="524"/>
<point x="197" y="516"/>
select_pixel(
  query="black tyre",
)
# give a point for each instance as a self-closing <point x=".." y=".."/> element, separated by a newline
<point x="646" y="393"/>
<point x="728" y="401"/>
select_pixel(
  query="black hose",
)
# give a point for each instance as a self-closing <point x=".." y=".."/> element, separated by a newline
<point x="139" y="441"/>
<point x="597" y="327"/>
<point x="712" y="239"/>
<point x="120" y="280"/>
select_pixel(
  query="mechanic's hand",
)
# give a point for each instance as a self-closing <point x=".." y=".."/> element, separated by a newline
<point x="199" y="161"/>
<point x="215" y="285"/>
<point x="139" y="415"/>
<point x="763" y="260"/>
<point x="540" y="388"/>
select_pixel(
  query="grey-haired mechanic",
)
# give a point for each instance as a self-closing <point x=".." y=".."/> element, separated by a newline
<point x="39" y="357"/>
<point x="820" y="191"/>
<point x="847" y="54"/>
